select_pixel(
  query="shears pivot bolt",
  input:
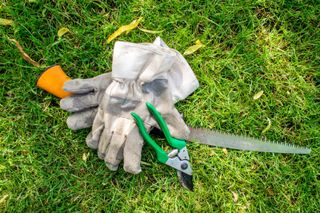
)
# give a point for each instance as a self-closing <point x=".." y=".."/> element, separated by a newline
<point x="184" y="165"/>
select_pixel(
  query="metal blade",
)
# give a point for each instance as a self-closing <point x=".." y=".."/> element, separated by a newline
<point x="185" y="180"/>
<point x="214" y="138"/>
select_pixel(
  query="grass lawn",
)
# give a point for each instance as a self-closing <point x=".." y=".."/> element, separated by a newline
<point x="251" y="46"/>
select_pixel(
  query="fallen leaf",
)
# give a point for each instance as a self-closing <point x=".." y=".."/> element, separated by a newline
<point x="270" y="192"/>
<point x="62" y="31"/>
<point x="258" y="95"/>
<point x="235" y="196"/>
<point x="2" y="168"/>
<point x="244" y="208"/>
<point x="125" y="28"/>
<point x="193" y="48"/>
<point x="25" y="56"/>
<point x="150" y="31"/>
<point x="198" y="42"/>
<point x="225" y="151"/>
<point x="5" y="22"/>
<point x="3" y="199"/>
<point x="85" y="156"/>
<point x="267" y="127"/>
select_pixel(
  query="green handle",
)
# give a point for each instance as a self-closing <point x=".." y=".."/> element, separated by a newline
<point x="161" y="155"/>
<point x="174" y="142"/>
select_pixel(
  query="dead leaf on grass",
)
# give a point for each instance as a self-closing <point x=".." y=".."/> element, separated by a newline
<point x="270" y="192"/>
<point x="6" y="22"/>
<point x="225" y="151"/>
<point x="3" y="199"/>
<point x="85" y="156"/>
<point x="25" y="56"/>
<point x="126" y="28"/>
<point x="150" y="31"/>
<point x="258" y="95"/>
<point x="193" y="48"/>
<point x="235" y="196"/>
<point x="62" y="31"/>
<point x="267" y="127"/>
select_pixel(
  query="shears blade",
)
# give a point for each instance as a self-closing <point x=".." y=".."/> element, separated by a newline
<point x="185" y="180"/>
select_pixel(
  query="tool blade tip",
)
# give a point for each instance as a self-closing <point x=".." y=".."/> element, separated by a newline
<point x="185" y="180"/>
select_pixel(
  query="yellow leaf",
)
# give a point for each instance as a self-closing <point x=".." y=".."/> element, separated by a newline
<point x="62" y="31"/>
<point x="267" y="127"/>
<point x="270" y="192"/>
<point x="198" y="42"/>
<point x="225" y="151"/>
<point x="235" y="196"/>
<point x="2" y="168"/>
<point x="3" y="198"/>
<point x="193" y="48"/>
<point x="5" y="22"/>
<point x="25" y="56"/>
<point x="257" y="95"/>
<point x="85" y="156"/>
<point x="125" y="28"/>
<point x="150" y="31"/>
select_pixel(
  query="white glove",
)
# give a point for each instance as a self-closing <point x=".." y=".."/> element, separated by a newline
<point x="87" y="93"/>
<point x="140" y="73"/>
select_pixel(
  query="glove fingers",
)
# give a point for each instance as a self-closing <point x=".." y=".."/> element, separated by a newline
<point x="132" y="152"/>
<point x="104" y="143"/>
<point x="79" y="86"/>
<point x="114" y="154"/>
<point x="77" y="103"/>
<point x="81" y="120"/>
<point x="102" y="81"/>
<point x="93" y="138"/>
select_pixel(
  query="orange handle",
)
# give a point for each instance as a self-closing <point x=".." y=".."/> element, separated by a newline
<point x="52" y="81"/>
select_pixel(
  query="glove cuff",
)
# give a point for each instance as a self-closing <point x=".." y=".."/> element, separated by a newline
<point x="182" y="80"/>
<point x="140" y="61"/>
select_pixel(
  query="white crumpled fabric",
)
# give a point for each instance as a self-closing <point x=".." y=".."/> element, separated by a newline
<point x="140" y="73"/>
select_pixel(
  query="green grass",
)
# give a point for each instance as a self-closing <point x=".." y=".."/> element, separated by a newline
<point x="251" y="46"/>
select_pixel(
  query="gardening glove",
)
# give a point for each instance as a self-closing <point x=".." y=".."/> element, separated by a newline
<point x="89" y="92"/>
<point x="83" y="104"/>
<point x="140" y="75"/>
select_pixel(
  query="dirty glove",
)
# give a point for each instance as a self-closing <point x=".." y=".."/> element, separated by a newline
<point x="139" y="74"/>
<point x="87" y="94"/>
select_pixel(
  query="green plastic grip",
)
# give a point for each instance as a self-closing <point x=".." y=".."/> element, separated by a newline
<point x="174" y="142"/>
<point x="161" y="155"/>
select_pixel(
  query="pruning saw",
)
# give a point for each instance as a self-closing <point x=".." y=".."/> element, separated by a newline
<point x="225" y="140"/>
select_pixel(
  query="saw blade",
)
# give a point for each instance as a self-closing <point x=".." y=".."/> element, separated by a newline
<point x="214" y="138"/>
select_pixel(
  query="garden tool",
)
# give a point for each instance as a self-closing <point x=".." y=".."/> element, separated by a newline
<point x="92" y="89"/>
<point x="52" y="80"/>
<point x="204" y="136"/>
<point x="178" y="158"/>
<point x="139" y="74"/>
<point x="225" y="140"/>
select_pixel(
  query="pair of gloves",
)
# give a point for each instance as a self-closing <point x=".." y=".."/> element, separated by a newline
<point x="144" y="72"/>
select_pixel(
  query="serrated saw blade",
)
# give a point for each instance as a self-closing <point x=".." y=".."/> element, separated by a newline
<point x="214" y="138"/>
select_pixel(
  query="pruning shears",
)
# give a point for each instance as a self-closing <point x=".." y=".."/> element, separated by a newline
<point x="178" y="158"/>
